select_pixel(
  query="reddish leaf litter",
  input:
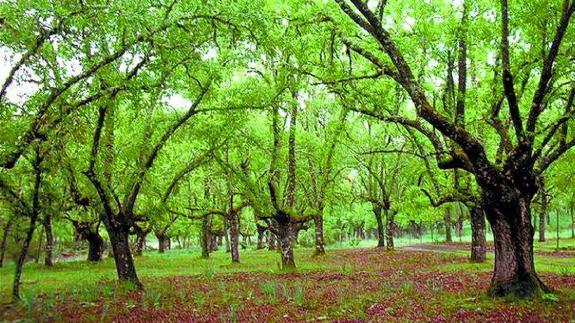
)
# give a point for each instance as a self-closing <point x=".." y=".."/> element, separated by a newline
<point x="465" y="246"/>
<point x="365" y="285"/>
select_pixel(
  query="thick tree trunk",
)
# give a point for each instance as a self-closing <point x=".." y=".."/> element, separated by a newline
<point x="49" y="249"/>
<point x="123" y="255"/>
<point x="380" y="227"/>
<point x="390" y="230"/>
<point x="234" y="236"/>
<point x="5" y="233"/>
<point x="478" y="241"/>
<point x="272" y="244"/>
<point x="513" y="232"/>
<point x="447" y="221"/>
<point x="164" y="242"/>
<point x="95" y="246"/>
<point x="285" y="237"/>
<point x="319" y="241"/>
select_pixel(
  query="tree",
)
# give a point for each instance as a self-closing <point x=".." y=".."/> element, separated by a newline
<point x="507" y="190"/>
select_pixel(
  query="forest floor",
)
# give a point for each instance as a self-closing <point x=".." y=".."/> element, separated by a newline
<point x="348" y="285"/>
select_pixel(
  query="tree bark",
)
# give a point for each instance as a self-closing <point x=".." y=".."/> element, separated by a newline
<point x="478" y="241"/>
<point x="30" y="234"/>
<point x="119" y="239"/>
<point x="319" y="241"/>
<point x="390" y="230"/>
<point x="572" y="223"/>
<point x="213" y="242"/>
<point x="22" y="257"/>
<point x="140" y="242"/>
<point x="261" y="234"/>
<point x="285" y="238"/>
<point x="543" y="215"/>
<point x="49" y="249"/>
<point x="6" y="231"/>
<point x="510" y="221"/>
<point x="272" y="244"/>
<point x="95" y="246"/>
<point x="205" y="238"/>
<point x="234" y="236"/>
<point x="380" y="227"/>
<point x="447" y="221"/>
<point x="164" y="242"/>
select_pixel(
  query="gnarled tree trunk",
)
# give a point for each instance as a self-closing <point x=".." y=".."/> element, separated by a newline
<point x="510" y="220"/>
<point x="478" y="241"/>
<point x="119" y="239"/>
<point x="285" y="237"/>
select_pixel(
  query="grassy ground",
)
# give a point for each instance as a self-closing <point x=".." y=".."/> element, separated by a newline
<point x="362" y="284"/>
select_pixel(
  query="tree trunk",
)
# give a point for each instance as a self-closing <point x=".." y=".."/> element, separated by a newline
<point x="205" y="237"/>
<point x="213" y="242"/>
<point x="123" y="255"/>
<point x="140" y="242"/>
<point x="95" y="246"/>
<point x="163" y="242"/>
<point x="272" y="244"/>
<point x="478" y="241"/>
<point x="22" y="257"/>
<point x="572" y="224"/>
<point x="543" y="216"/>
<point x="234" y="236"/>
<point x="514" y="272"/>
<point x="380" y="227"/>
<point x="390" y="230"/>
<point x="49" y="240"/>
<point x="261" y="234"/>
<point x="447" y="220"/>
<point x="319" y="241"/>
<point x="40" y="240"/>
<point x="285" y="238"/>
<point x="6" y="230"/>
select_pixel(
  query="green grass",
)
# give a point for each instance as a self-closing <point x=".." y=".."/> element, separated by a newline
<point x="352" y="283"/>
<point x="66" y="275"/>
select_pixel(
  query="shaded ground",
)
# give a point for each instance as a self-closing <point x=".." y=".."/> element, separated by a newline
<point x="346" y="285"/>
